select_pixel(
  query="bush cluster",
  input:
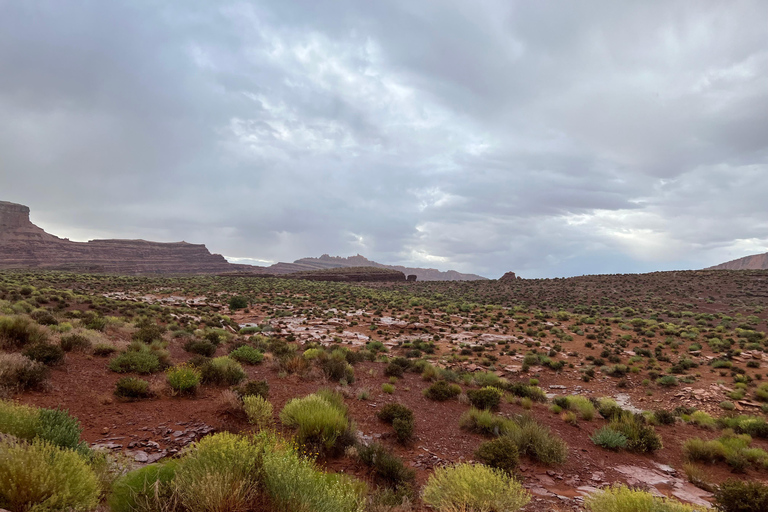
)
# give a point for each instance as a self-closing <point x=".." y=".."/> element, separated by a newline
<point x="320" y="420"/>
<point x="620" y="498"/>
<point x="401" y="418"/>
<point x="485" y="398"/>
<point x="18" y="372"/>
<point x="441" y="391"/>
<point x="222" y="371"/>
<point x="247" y="354"/>
<point x="183" y="379"/>
<point x="132" y="388"/>
<point x="474" y="487"/>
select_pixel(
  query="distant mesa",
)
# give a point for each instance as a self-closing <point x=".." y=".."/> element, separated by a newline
<point x="754" y="262"/>
<point x="24" y="245"/>
<point x="325" y="261"/>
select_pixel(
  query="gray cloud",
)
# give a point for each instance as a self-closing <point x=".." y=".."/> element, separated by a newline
<point x="541" y="137"/>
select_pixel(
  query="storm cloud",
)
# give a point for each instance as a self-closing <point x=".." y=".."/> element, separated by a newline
<point x="545" y="137"/>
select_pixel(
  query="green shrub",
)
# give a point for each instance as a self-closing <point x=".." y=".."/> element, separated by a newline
<point x="74" y="341"/>
<point x="104" y="349"/>
<point x="483" y="421"/>
<point x="741" y="496"/>
<point x="388" y="388"/>
<point x="132" y="388"/>
<point x="667" y="381"/>
<point x="18" y="372"/>
<point x="43" y="317"/>
<point x="201" y="347"/>
<point x="148" y="331"/>
<point x="397" y="367"/>
<point x="475" y="487"/>
<point x="538" y="442"/>
<point x="699" y="450"/>
<point x="183" y="379"/>
<point x="147" y="489"/>
<point x="293" y="483"/>
<point x="485" y="379"/>
<point x="45" y="353"/>
<point x="42" y="477"/>
<point x="143" y="362"/>
<point x="664" y="417"/>
<point x="238" y="302"/>
<point x="319" y="422"/>
<point x="54" y="426"/>
<point x="610" y="439"/>
<point x="220" y="473"/>
<point x="401" y="418"/>
<point x="258" y="410"/>
<point x="222" y="371"/>
<point x="18" y="420"/>
<point x="704" y="420"/>
<point x="640" y="436"/>
<point x="485" y="398"/>
<point x="19" y="331"/>
<point x="388" y="468"/>
<point x="247" y="354"/>
<point x="255" y="388"/>
<point x="535" y="393"/>
<point x="440" y="391"/>
<point x="620" y="498"/>
<point x="499" y="453"/>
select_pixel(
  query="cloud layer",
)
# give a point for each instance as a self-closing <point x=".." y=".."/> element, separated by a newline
<point x="546" y="138"/>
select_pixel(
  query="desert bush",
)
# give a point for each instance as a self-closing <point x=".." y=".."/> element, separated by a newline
<point x="475" y="487"/>
<point x="293" y="482"/>
<point x="397" y="367"/>
<point x="580" y="404"/>
<point x="741" y="496"/>
<point x="142" y="361"/>
<point x="485" y="379"/>
<point x="74" y="341"/>
<point x="104" y="349"/>
<point x="147" y="489"/>
<point x="132" y="388"/>
<point x="620" y="498"/>
<point x="483" y="421"/>
<point x="319" y="423"/>
<point x="703" y="451"/>
<point x="535" y="393"/>
<point x="337" y="368"/>
<point x="640" y="436"/>
<point x="401" y="418"/>
<point x="222" y="371"/>
<point x="255" y="388"/>
<point x="247" y="354"/>
<point x="755" y="426"/>
<point x="183" y="379"/>
<point x="42" y="477"/>
<point x="538" y="441"/>
<point x="43" y="317"/>
<point x="500" y="453"/>
<point x="664" y="417"/>
<point x="19" y="331"/>
<point x="440" y="391"/>
<point x="238" y="302"/>
<point x="609" y="439"/>
<point x="731" y="448"/>
<point x="220" y="473"/>
<point x="258" y="410"/>
<point x="54" y="426"/>
<point x="388" y="468"/>
<point x="485" y="398"/>
<point x="703" y="419"/>
<point x="667" y="381"/>
<point x="608" y="408"/>
<point x="45" y="353"/>
<point x="18" y="372"/>
<point x="148" y="331"/>
<point x="201" y="347"/>
<point x="388" y="388"/>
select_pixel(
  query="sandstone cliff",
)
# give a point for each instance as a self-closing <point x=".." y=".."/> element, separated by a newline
<point x="754" y="262"/>
<point x="325" y="262"/>
<point x="24" y="245"/>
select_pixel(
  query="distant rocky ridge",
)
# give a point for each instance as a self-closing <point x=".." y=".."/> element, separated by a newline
<point x="754" y="262"/>
<point x="25" y="245"/>
<point x="326" y="262"/>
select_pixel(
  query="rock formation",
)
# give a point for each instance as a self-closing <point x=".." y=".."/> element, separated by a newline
<point x="24" y="245"/>
<point x="508" y="277"/>
<point x="754" y="262"/>
<point x="325" y="261"/>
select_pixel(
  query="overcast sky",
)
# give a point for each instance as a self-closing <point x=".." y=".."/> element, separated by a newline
<point x="548" y="138"/>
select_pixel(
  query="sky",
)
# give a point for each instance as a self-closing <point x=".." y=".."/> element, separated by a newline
<point x="543" y="137"/>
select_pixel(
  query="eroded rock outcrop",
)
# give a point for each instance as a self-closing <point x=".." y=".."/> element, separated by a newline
<point x="754" y="262"/>
<point x="25" y="245"/>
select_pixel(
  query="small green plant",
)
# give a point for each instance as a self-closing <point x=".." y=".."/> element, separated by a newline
<point x="255" y="388"/>
<point x="441" y="390"/>
<point x="401" y="418"/>
<point x="258" y="410"/>
<point x="222" y="371"/>
<point x="45" y="353"/>
<point x="388" y="388"/>
<point x="53" y="426"/>
<point x="201" y="347"/>
<point x="388" y="468"/>
<point x="483" y="421"/>
<point x="609" y="439"/>
<point x="18" y="372"/>
<point x="42" y="477"/>
<point x="741" y="496"/>
<point x="146" y="489"/>
<point x="473" y="487"/>
<point x="538" y="441"/>
<point x="485" y="398"/>
<point x="667" y="381"/>
<point x="641" y="437"/>
<point x="499" y="453"/>
<point x="143" y="362"/>
<point x="74" y="342"/>
<point x="19" y="331"/>
<point x="247" y="354"/>
<point x="319" y="422"/>
<point x="620" y="498"/>
<point x="183" y="379"/>
<point x="132" y="388"/>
